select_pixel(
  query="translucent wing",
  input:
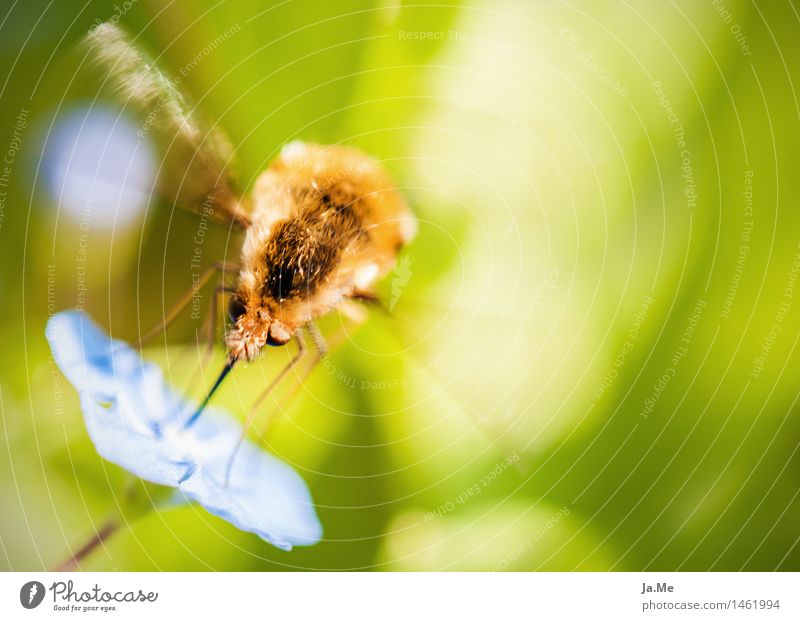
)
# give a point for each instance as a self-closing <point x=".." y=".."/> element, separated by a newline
<point x="196" y="174"/>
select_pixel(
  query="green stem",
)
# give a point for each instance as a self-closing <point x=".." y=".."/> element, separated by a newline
<point x="109" y="527"/>
<point x="100" y="535"/>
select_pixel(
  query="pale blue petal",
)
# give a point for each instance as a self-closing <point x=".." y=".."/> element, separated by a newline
<point x="264" y="495"/>
<point x="135" y="420"/>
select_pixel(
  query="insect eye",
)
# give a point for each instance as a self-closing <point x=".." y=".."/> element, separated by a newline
<point x="235" y="309"/>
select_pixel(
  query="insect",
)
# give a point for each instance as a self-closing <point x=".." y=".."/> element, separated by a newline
<point x="321" y="225"/>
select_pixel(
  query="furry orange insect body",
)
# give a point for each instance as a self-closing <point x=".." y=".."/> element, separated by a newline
<point x="326" y="223"/>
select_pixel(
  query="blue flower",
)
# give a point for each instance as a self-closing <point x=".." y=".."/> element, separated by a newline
<point x="136" y="421"/>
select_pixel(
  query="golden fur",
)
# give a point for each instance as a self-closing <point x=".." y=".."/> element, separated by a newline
<point x="326" y="223"/>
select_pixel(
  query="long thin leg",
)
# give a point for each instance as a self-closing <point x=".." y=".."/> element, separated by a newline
<point x="371" y="298"/>
<point x="248" y="421"/>
<point x="219" y="291"/>
<point x="176" y="309"/>
<point x="319" y="341"/>
<point x="321" y="350"/>
<point x="321" y="347"/>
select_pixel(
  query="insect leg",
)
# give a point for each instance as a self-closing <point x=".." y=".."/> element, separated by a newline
<point x="184" y="300"/>
<point x="369" y="297"/>
<point x="248" y="421"/>
<point x="321" y="350"/>
<point x="365" y="295"/>
<point x="219" y="291"/>
<point x="319" y="341"/>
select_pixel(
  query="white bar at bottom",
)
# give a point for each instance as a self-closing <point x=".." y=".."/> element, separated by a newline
<point x="403" y="596"/>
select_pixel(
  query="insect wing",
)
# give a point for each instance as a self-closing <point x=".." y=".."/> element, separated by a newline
<point x="197" y="170"/>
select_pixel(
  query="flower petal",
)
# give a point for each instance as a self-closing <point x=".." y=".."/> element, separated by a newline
<point x="264" y="495"/>
<point x="136" y="421"/>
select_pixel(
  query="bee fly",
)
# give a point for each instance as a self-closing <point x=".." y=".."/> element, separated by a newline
<point x="321" y="225"/>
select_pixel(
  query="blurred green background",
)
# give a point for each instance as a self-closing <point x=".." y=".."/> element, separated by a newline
<point x="591" y="361"/>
